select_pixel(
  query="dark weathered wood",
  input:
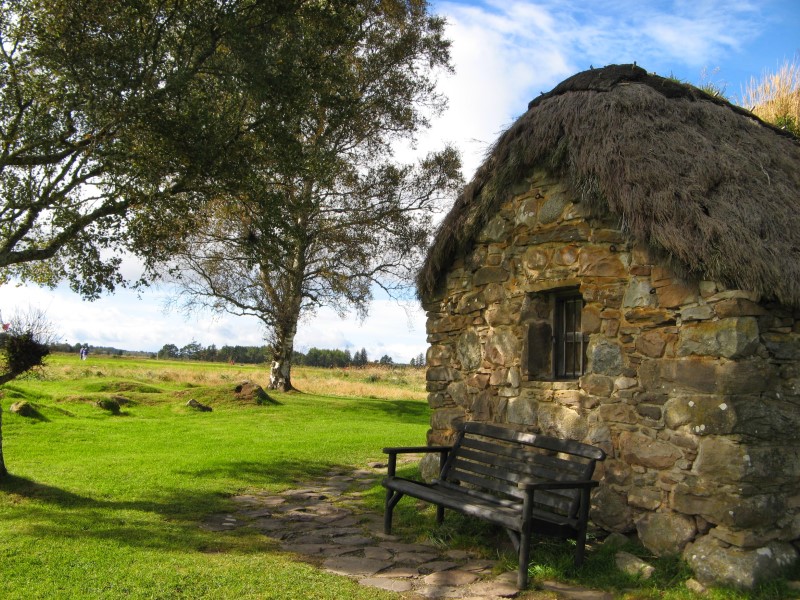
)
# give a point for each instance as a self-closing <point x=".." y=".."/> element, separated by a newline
<point x="513" y="479"/>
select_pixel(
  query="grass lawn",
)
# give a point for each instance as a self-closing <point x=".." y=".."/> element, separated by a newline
<point x="104" y="506"/>
<point x="107" y="506"/>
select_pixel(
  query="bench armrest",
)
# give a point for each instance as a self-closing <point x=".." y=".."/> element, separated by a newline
<point x="393" y="452"/>
<point x="558" y="485"/>
<point x="416" y="449"/>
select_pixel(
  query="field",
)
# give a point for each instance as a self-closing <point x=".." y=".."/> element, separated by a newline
<point x="104" y="505"/>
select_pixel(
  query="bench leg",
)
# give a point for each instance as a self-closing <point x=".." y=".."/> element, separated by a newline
<point x="525" y="540"/>
<point x="392" y="498"/>
<point x="580" y="538"/>
<point x="580" y="547"/>
<point x="524" y="559"/>
<point x="439" y="514"/>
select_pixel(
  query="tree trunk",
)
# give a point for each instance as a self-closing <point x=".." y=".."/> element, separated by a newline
<point x="290" y="300"/>
<point x="280" y="375"/>
<point x="3" y="471"/>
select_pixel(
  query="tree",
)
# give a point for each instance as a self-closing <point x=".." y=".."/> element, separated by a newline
<point x="169" y="351"/>
<point x="360" y="358"/>
<point x="386" y="360"/>
<point x="191" y="350"/>
<point x="116" y="121"/>
<point x="325" y="213"/>
<point x="317" y="357"/>
<point x="23" y="346"/>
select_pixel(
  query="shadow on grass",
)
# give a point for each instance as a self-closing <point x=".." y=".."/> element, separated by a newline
<point x="171" y="521"/>
<point x="32" y="490"/>
<point x="407" y="411"/>
<point x="281" y="473"/>
<point x="33" y="412"/>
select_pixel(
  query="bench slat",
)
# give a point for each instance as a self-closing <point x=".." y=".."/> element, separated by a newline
<point x="506" y="482"/>
<point x="535" y="439"/>
<point x="579" y="468"/>
<point x="499" y="500"/>
<point x="544" y="467"/>
<point x="561" y="501"/>
<point x="485" y="483"/>
<point x="506" y="516"/>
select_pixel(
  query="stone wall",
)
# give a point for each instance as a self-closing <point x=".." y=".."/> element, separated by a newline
<point x="691" y="388"/>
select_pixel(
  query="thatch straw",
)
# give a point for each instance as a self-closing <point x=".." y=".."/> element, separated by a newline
<point x="708" y="186"/>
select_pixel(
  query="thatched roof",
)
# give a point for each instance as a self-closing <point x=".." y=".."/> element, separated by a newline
<point x="713" y="190"/>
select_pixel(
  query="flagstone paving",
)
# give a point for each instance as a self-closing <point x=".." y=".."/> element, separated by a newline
<point x="317" y="523"/>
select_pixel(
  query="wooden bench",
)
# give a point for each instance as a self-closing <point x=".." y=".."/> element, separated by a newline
<point x="520" y="481"/>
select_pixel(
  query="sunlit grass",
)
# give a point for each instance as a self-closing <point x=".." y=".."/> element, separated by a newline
<point x="109" y="506"/>
<point x="371" y="381"/>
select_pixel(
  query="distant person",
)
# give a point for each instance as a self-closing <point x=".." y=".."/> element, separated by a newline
<point x="84" y="353"/>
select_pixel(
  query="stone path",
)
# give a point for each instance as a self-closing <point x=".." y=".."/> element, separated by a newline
<point x="321" y="523"/>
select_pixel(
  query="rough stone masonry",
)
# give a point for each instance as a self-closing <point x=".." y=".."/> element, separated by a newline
<point x="692" y="388"/>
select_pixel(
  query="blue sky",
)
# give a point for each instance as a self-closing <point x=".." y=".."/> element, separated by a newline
<point x="505" y="53"/>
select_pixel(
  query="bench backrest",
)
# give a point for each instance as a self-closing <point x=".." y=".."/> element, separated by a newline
<point x="495" y="459"/>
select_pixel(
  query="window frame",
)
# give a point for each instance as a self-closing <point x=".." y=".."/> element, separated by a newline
<point x="568" y="355"/>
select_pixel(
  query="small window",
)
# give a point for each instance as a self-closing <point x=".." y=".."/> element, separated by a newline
<point x="555" y="345"/>
<point x="569" y="344"/>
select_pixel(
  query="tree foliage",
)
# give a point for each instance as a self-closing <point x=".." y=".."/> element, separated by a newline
<point x="325" y="212"/>
<point x="196" y="351"/>
<point x="360" y="358"/>
<point x="316" y="357"/>
<point x="116" y="121"/>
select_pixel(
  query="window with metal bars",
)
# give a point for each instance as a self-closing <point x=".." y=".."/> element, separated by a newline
<point x="555" y="347"/>
<point x="569" y="343"/>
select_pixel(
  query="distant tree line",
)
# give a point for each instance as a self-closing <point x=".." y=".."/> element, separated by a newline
<point x="195" y="351"/>
<point x="105" y="350"/>
<point x="315" y="357"/>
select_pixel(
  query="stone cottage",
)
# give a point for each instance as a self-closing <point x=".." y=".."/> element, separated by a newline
<point x="624" y="270"/>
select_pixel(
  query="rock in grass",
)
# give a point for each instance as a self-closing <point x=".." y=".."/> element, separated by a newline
<point x="23" y="408"/>
<point x="695" y="586"/>
<point x="198" y="406"/>
<point x="108" y="404"/>
<point x="633" y="565"/>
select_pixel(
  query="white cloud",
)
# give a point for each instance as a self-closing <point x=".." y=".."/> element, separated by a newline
<point x="507" y="53"/>
<point x="398" y="331"/>
<point x="500" y="53"/>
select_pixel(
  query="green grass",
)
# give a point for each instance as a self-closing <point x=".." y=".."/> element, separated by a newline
<point x="108" y="506"/>
<point x="104" y="506"/>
